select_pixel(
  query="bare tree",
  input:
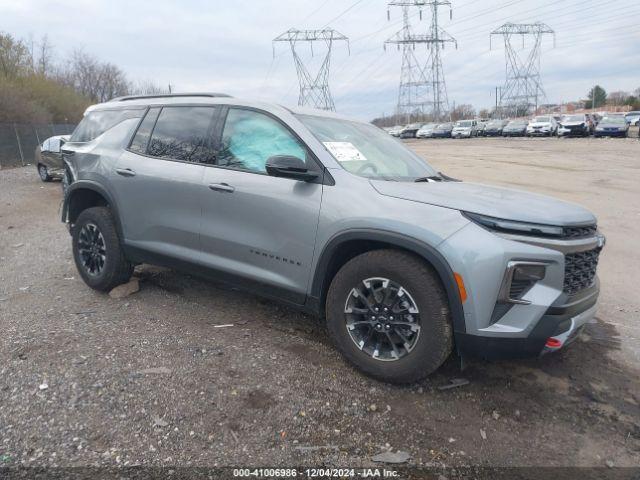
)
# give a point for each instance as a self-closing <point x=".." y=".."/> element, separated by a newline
<point x="463" y="111"/>
<point x="617" y="98"/>
<point x="15" y="58"/>
<point x="44" y="59"/>
<point x="93" y="79"/>
<point x="147" y="87"/>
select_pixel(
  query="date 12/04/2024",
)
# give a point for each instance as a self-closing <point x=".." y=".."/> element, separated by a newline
<point x="315" y="473"/>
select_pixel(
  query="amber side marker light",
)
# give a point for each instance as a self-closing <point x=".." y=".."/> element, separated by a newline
<point x="461" y="289"/>
<point x="553" y="343"/>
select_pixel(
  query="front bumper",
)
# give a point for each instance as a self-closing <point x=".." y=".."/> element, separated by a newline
<point x="539" y="131"/>
<point x="573" y="131"/>
<point x="562" y="322"/>
<point x="610" y="133"/>
<point x="461" y="134"/>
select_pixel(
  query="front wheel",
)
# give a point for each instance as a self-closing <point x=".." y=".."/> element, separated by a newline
<point x="388" y="314"/>
<point x="97" y="251"/>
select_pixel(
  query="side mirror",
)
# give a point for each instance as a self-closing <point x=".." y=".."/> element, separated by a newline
<point x="288" y="166"/>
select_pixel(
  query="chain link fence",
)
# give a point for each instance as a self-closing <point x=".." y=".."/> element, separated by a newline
<point x="18" y="142"/>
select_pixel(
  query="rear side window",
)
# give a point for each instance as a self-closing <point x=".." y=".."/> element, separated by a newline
<point x="184" y="133"/>
<point x="141" y="139"/>
<point x="97" y="122"/>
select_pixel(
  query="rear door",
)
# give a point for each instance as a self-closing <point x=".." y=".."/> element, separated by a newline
<point x="158" y="179"/>
<point x="256" y="226"/>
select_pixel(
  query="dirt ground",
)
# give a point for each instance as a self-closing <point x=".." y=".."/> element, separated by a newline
<point x="152" y="379"/>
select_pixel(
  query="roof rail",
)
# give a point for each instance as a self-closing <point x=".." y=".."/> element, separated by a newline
<point x="167" y="95"/>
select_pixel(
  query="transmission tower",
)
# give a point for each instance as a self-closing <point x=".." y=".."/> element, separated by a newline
<point x="422" y="86"/>
<point x="314" y="89"/>
<point x="522" y="90"/>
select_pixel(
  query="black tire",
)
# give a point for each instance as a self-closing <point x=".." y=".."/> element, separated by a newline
<point x="116" y="269"/>
<point x="43" y="172"/>
<point x="435" y="339"/>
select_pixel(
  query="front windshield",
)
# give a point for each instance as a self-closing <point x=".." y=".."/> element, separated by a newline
<point x="517" y="123"/>
<point x="542" y="119"/>
<point x="618" y="120"/>
<point x="444" y="125"/>
<point x="573" y="118"/>
<point x="497" y="123"/>
<point x="464" y="124"/>
<point x="367" y="151"/>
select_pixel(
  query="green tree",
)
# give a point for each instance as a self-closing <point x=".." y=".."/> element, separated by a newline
<point x="597" y="97"/>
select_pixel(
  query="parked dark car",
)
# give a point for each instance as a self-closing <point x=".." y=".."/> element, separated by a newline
<point x="612" y="127"/>
<point x="494" y="128"/>
<point x="49" y="158"/>
<point x="443" y="130"/>
<point x="410" y="130"/>
<point x="580" y="124"/>
<point x="515" y="128"/>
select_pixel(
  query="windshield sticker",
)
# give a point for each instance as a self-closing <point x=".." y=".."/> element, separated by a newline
<point x="345" y="152"/>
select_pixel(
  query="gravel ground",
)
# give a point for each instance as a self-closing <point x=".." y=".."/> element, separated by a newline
<point x="154" y="379"/>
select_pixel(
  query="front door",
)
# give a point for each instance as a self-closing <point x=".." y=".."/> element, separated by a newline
<point x="158" y="180"/>
<point x="253" y="225"/>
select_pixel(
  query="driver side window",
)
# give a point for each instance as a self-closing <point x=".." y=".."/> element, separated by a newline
<point x="249" y="138"/>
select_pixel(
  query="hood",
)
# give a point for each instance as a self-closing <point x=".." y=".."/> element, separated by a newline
<point x="540" y="124"/>
<point x="493" y="201"/>
<point x="515" y="127"/>
<point x="573" y="123"/>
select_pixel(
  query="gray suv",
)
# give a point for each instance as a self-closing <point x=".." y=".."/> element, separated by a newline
<point x="335" y="217"/>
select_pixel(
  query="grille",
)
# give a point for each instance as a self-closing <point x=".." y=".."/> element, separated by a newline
<point x="580" y="270"/>
<point x="579" y="232"/>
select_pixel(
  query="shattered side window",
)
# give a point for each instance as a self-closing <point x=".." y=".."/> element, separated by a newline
<point x="250" y="138"/>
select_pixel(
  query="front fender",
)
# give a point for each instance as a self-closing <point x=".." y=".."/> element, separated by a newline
<point x="429" y="253"/>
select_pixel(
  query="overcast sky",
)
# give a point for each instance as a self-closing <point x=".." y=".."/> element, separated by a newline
<point x="214" y="45"/>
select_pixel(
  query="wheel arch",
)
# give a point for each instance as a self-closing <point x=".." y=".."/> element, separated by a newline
<point x="346" y="245"/>
<point x="85" y="194"/>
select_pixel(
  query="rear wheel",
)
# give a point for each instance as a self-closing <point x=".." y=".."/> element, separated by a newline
<point x="43" y="171"/>
<point x="388" y="314"/>
<point x="97" y="251"/>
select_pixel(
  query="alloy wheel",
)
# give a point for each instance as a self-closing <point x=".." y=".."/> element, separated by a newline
<point x="92" y="249"/>
<point x="44" y="174"/>
<point x="382" y="319"/>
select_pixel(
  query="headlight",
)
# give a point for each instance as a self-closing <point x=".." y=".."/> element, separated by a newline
<point x="512" y="226"/>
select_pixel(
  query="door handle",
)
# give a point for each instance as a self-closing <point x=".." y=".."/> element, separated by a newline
<point x="125" y="172"/>
<point x="222" y="187"/>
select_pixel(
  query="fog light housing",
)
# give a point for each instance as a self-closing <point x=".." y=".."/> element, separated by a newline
<point x="519" y="277"/>
<point x="532" y="272"/>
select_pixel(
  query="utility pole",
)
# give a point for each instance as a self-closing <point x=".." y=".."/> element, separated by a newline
<point x="314" y="89"/>
<point x="422" y="85"/>
<point x="523" y="86"/>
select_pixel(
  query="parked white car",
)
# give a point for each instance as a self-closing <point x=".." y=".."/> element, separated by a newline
<point x="426" y="131"/>
<point x="633" y="118"/>
<point x="396" y="131"/>
<point x="542" y="125"/>
<point x="465" y="128"/>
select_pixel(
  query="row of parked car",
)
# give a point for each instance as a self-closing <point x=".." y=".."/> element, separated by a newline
<point x="582" y="124"/>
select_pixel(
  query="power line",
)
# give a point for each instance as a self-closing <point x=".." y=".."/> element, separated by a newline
<point x="343" y="13"/>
